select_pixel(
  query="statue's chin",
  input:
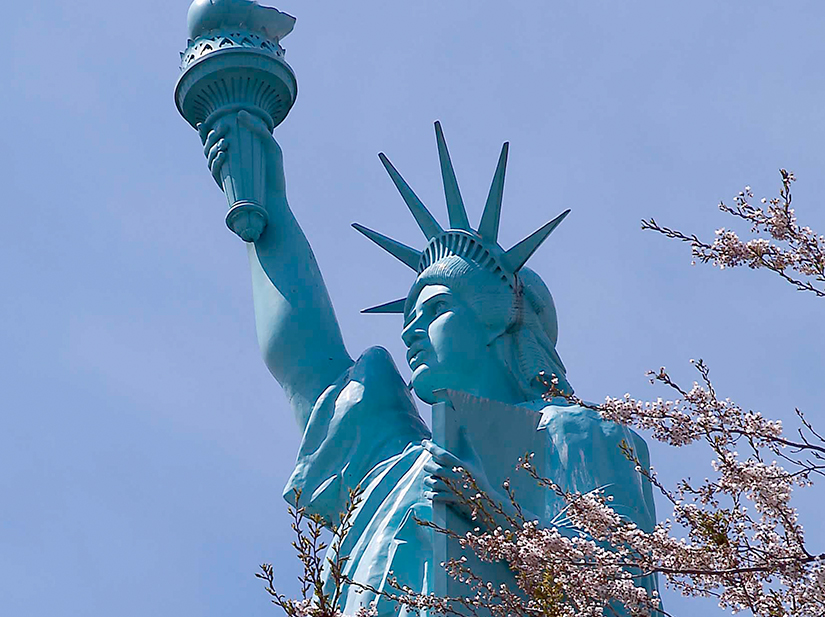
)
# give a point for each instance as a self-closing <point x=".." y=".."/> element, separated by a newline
<point x="426" y="380"/>
<point x="425" y="394"/>
<point x="423" y="385"/>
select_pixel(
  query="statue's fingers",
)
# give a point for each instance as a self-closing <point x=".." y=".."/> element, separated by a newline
<point x="207" y="143"/>
<point x="441" y="496"/>
<point x="441" y="455"/>
<point x="433" y="467"/>
<point x="213" y="152"/>
<point x="213" y="136"/>
<point x="442" y="471"/>
<point x="438" y="484"/>
<point x="433" y="448"/>
<point x="253" y="123"/>
<point x="219" y="147"/>
<point x="441" y="481"/>
<point x="217" y="160"/>
<point x="215" y="168"/>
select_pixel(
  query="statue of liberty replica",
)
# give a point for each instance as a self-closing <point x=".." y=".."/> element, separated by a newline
<point x="479" y="326"/>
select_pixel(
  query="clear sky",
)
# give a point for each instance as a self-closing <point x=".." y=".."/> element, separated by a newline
<point x="144" y="446"/>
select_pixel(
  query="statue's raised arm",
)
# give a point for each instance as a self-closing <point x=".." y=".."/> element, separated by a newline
<point x="235" y="88"/>
<point x="297" y="329"/>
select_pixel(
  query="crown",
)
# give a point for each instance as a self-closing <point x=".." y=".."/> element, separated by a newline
<point x="479" y="246"/>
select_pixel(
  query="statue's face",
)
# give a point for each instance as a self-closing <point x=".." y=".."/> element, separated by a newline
<point x="447" y="346"/>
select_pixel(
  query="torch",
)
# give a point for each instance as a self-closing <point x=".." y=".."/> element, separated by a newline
<point x="234" y="62"/>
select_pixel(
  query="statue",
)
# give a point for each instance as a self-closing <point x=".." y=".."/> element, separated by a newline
<point x="479" y="327"/>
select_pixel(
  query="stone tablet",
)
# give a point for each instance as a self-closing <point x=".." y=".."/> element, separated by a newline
<point x="500" y="434"/>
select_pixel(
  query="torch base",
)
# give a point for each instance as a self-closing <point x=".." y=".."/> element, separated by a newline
<point x="247" y="219"/>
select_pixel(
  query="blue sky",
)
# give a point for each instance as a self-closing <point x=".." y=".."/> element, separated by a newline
<point x="144" y="446"/>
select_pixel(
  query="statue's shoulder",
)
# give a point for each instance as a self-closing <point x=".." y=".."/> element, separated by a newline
<point x="572" y="423"/>
<point x="379" y="388"/>
<point x="562" y="415"/>
<point x="377" y="355"/>
<point x="376" y="366"/>
<point x="573" y="420"/>
<point x="597" y="443"/>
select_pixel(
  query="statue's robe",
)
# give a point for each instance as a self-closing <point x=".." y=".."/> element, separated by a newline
<point x="364" y="430"/>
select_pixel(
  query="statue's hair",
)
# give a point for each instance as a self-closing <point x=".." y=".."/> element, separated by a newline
<point x="525" y="317"/>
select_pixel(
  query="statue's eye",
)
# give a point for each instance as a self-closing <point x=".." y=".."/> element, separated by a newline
<point x="440" y="307"/>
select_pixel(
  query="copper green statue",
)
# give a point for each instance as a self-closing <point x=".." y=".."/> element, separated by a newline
<point x="479" y="327"/>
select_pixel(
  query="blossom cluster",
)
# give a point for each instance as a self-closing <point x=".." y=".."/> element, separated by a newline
<point x="794" y="252"/>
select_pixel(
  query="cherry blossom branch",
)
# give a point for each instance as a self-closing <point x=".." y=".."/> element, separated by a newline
<point x="310" y="551"/>
<point x="802" y="252"/>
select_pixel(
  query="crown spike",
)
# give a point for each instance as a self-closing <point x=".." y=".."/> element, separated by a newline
<point x="425" y="220"/>
<point x="455" y="205"/>
<point x="401" y="252"/>
<point x="517" y="256"/>
<point x="491" y="217"/>
<point x="396" y="306"/>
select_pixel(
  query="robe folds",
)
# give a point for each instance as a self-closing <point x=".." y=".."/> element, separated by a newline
<point x="364" y="430"/>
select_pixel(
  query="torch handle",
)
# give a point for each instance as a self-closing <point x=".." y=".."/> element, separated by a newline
<point x="243" y="174"/>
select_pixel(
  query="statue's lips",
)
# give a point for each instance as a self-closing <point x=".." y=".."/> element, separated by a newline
<point x="416" y="356"/>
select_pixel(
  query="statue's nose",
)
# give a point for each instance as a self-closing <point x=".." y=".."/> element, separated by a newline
<point x="412" y="332"/>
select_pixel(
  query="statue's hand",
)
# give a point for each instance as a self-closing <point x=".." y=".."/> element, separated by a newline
<point x="215" y="146"/>
<point x="218" y="139"/>
<point x="447" y="482"/>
